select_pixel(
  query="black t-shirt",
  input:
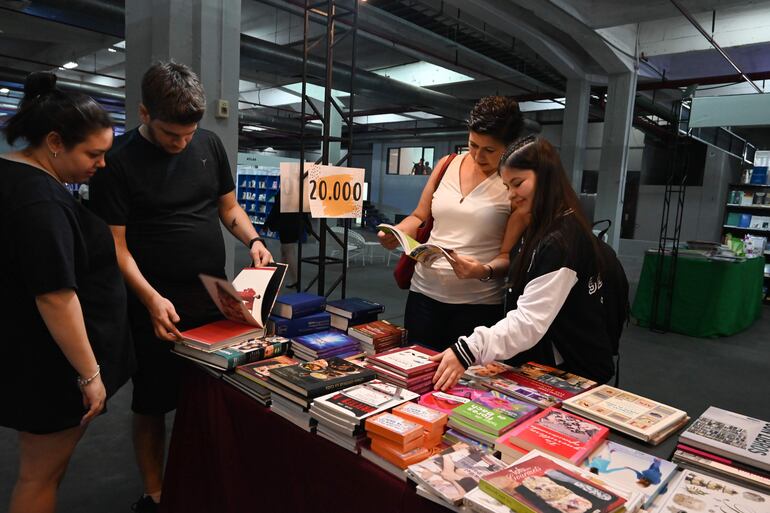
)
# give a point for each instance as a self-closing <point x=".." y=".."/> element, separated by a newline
<point x="51" y="242"/>
<point x="169" y="206"/>
<point x="579" y="331"/>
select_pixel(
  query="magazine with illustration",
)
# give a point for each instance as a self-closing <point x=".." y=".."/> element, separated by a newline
<point x="424" y="253"/>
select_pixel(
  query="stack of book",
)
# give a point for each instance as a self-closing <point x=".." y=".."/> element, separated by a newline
<point x="536" y="383"/>
<point x="730" y="446"/>
<point x="541" y="484"/>
<point x="229" y="357"/>
<point x="353" y="311"/>
<point x="555" y="432"/>
<point x="407" y="367"/>
<point x="692" y="491"/>
<point x="299" y="314"/>
<point x="631" y="470"/>
<point x="397" y="440"/>
<point x="489" y="415"/>
<point x="432" y="421"/>
<point x="454" y="472"/>
<point x="295" y="386"/>
<point x="634" y="415"/>
<point x="378" y="336"/>
<point x="324" y="344"/>
<point x="251" y="378"/>
<point x="340" y="415"/>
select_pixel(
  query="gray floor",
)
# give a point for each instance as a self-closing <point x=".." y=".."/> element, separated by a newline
<point x="689" y="373"/>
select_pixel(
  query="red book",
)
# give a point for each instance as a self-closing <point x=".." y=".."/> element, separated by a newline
<point x="219" y="334"/>
<point x="558" y="433"/>
<point x="407" y="362"/>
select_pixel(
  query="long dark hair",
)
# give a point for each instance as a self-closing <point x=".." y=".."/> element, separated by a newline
<point x="554" y="199"/>
<point x="45" y="108"/>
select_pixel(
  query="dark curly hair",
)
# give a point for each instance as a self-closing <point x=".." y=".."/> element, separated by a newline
<point x="496" y="116"/>
<point x="172" y="92"/>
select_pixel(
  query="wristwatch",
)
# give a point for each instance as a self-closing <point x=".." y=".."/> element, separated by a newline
<point x="255" y="239"/>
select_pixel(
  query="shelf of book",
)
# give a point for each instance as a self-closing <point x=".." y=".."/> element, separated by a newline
<point x="257" y="187"/>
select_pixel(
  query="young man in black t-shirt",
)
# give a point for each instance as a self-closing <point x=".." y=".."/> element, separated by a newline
<point x="166" y="187"/>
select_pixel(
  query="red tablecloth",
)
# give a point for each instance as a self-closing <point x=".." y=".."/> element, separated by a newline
<point x="229" y="454"/>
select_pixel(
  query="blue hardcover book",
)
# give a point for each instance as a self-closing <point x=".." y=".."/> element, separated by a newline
<point x="290" y="328"/>
<point x="299" y="304"/>
<point x="354" y="307"/>
<point x="745" y="221"/>
<point x="325" y="341"/>
<point x="759" y="175"/>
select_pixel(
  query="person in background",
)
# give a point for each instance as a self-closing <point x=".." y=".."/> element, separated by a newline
<point x="289" y="226"/>
<point x="419" y="167"/>
<point x="473" y="217"/>
<point x="166" y="188"/>
<point x="66" y="342"/>
<point x="555" y="304"/>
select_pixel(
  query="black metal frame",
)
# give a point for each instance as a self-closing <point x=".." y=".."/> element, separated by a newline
<point x="335" y="9"/>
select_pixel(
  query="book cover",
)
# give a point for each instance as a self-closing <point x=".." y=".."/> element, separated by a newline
<point x="406" y="361"/>
<point x="260" y="371"/>
<point x="447" y="401"/>
<point x="630" y="469"/>
<point x="430" y="419"/>
<point x="692" y="459"/>
<point x="542" y="485"/>
<point x="455" y="471"/>
<point x="733" y="219"/>
<point x="695" y="492"/>
<point x="363" y="400"/>
<point x="729" y="434"/>
<point x="633" y="414"/>
<point x="376" y="332"/>
<point x="344" y="324"/>
<point x="539" y="384"/>
<point x="745" y="221"/>
<point x="394" y="428"/>
<point x="494" y="412"/>
<point x="353" y="307"/>
<point x="326" y="341"/>
<point x="298" y="304"/>
<point x="244" y="352"/>
<point x="318" y="377"/>
<point x="312" y="323"/>
<point x="424" y="253"/>
<point x="219" y="334"/>
<point x="484" y="373"/>
<point x="558" y="433"/>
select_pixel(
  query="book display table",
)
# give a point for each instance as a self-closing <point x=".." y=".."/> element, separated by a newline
<point x="711" y="298"/>
<point x="228" y="453"/>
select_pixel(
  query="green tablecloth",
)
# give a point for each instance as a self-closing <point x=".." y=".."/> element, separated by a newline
<point x="710" y="299"/>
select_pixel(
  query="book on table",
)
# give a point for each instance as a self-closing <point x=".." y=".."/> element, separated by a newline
<point x="724" y="468"/>
<point x="696" y="492"/>
<point x="378" y="336"/>
<point x="491" y="414"/>
<point x="324" y="344"/>
<point x="629" y="413"/>
<point x="354" y="308"/>
<point x="539" y="384"/>
<point x="451" y="399"/>
<point x="422" y="252"/>
<point x="344" y="324"/>
<point x="407" y="362"/>
<point x="290" y="328"/>
<point x="259" y="372"/>
<point x="245" y="303"/>
<point x="229" y="357"/>
<point x="299" y="304"/>
<point x="319" y="377"/>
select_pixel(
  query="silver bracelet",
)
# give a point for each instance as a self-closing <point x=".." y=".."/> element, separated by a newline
<point x="85" y="381"/>
<point x="491" y="272"/>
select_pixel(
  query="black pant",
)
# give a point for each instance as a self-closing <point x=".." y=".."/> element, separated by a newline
<point x="438" y="325"/>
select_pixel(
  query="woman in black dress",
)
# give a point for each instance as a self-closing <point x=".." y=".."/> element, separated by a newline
<point x="65" y="339"/>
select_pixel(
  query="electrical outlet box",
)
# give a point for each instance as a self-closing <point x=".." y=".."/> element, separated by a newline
<point x="223" y="109"/>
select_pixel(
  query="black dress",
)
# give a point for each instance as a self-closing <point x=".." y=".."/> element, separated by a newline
<point x="51" y="243"/>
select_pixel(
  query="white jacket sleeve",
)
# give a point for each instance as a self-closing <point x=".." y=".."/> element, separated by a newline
<point x="523" y="327"/>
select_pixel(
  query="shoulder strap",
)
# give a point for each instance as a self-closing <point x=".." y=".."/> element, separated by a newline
<point x="443" y="169"/>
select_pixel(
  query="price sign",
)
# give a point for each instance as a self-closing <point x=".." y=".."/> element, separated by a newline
<point x="330" y="191"/>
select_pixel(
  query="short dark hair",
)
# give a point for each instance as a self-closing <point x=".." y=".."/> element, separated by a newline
<point x="46" y="108"/>
<point x="497" y="116"/>
<point x="172" y="92"/>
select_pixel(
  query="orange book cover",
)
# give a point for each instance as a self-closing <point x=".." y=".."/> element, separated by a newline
<point x="394" y="428"/>
<point x="401" y="460"/>
<point x="394" y="446"/>
<point x="432" y="420"/>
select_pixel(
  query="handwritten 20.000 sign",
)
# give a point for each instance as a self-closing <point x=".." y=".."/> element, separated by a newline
<point x="329" y="191"/>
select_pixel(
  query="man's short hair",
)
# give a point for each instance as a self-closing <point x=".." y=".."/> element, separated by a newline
<point x="172" y="92"/>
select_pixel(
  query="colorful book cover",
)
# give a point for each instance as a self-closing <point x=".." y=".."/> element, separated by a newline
<point x="483" y="373"/>
<point x="260" y="371"/>
<point x="630" y="469"/>
<point x="559" y="433"/>
<point x="364" y="400"/>
<point x="393" y="427"/>
<point x="312" y="323"/>
<point x="557" y="378"/>
<point x="494" y="412"/>
<point x="298" y="304"/>
<point x="244" y="352"/>
<point x="319" y="377"/>
<point x="406" y="361"/>
<point x="449" y="400"/>
<point x="376" y="332"/>
<point x="539" y="384"/>
<point x="218" y="334"/>
<point x="729" y="434"/>
<point x="694" y="492"/>
<point x="542" y="485"/>
<point x="455" y="471"/>
<point x="325" y="341"/>
<point x="353" y="307"/>
<point x="428" y="417"/>
<point x="627" y="412"/>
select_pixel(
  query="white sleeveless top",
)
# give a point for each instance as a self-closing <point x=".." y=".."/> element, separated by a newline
<point x="473" y="227"/>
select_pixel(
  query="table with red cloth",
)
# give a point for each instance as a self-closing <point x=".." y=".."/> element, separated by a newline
<point x="228" y="453"/>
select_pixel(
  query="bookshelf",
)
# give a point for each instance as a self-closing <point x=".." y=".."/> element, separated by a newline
<point x="256" y="190"/>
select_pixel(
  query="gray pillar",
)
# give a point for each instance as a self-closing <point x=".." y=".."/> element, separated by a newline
<point x="618" y="118"/>
<point x="574" y="129"/>
<point x="205" y="35"/>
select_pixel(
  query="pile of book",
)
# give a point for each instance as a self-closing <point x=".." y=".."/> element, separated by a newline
<point x="634" y="415"/>
<point x="340" y="415"/>
<point x="353" y="311"/>
<point x="378" y="336"/>
<point x="299" y="314"/>
<point x="230" y="356"/>
<point x="252" y="378"/>
<point x="407" y="367"/>
<point x="324" y="344"/>
<point x="489" y="415"/>
<point x="294" y="387"/>
<point x="398" y="441"/>
<point x="728" y="445"/>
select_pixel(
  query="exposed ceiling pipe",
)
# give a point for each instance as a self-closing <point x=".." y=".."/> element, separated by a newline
<point x="282" y="123"/>
<point x="16" y="76"/>
<point x="713" y="80"/>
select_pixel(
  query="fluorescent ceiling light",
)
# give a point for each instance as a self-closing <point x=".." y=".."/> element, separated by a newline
<point x="253" y="128"/>
<point x="380" y="118"/>
<point x="556" y="104"/>
<point x="112" y="50"/>
<point x="423" y="74"/>
<point x="120" y="44"/>
<point x="4" y="90"/>
<point x="421" y="115"/>
<point x="70" y="65"/>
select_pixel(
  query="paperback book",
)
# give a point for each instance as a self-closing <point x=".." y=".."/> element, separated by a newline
<point x="407" y="362"/>
<point x="494" y="413"/>
<point x="701" y="461"/>
<point x="244" y="352"/>
<point x="325" y="343"/>
<point x="319" y="377"/>
<point x="539" y="384"/>
<point x="362" y="401"/>
<point x="424" y="253"/>
<point x="447" y="401"/>
<point x="695" y="492"/>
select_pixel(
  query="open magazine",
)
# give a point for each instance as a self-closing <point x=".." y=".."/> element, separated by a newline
<point x="250" y="297"/>
<point x="424" y="253"/>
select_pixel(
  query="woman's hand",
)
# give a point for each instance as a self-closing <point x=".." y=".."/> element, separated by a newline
<point x="466" y="267"/>
<point x="449" y="371"/>
<point x="94" y="397"/>
<point x="387" y="240"/>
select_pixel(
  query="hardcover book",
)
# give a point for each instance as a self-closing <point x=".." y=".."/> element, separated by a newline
<point x="230" y="357"/>
<point x="729" y="434"/>
<point x="298" y="304"/>
<point x="290" y="328"/>
<point x="353" y="307"/>
<point x="344" y="324"/>
<point x="375" y="332"/>
<point x="319" y="377"/>
<point x="219" y="334"/>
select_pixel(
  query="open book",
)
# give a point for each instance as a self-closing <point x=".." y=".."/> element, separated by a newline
<point x="246" y="304"/>
<point x="424" y="253"/>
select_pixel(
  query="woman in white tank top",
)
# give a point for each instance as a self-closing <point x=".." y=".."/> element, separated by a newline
<point x="472" y="216"/>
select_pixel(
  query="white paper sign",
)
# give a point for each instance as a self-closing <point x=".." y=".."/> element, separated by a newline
<point x="330" y="191"/>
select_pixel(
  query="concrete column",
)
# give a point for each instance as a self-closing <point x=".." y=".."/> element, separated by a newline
<point x="618" y="117"/>
<point x="574" y="129"/>
<point x="205" y="35"/>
